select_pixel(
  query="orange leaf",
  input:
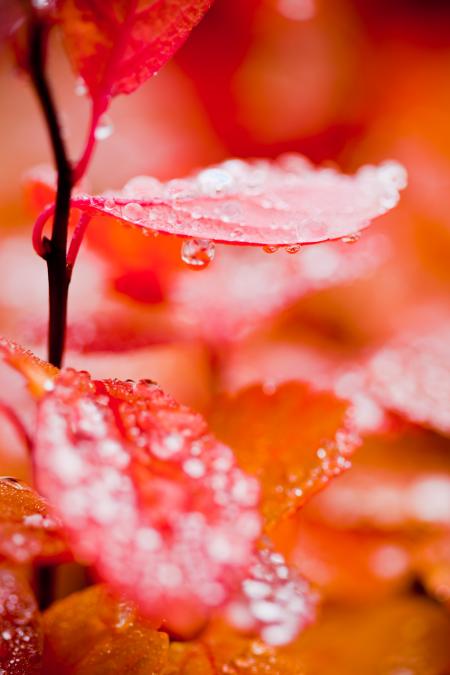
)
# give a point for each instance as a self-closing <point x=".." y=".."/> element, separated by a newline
<point x="89" y="633"/>
<point x="39" y="374"/>
<point x="27" y="531"/>
<point x="396" y="482"/>
<point x="293" y="439"/>
<point x="403" y="635"/>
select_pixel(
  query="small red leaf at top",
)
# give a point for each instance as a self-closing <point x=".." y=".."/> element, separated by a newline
<point x="146" y="494"/>
<point x="20" y="626"/>
<point x="115" y="46"/>
<point x="411" y="375"/>
<point x="277" y="203"/>
<point x="27" y="530"/>
<point x="293" y="439"/>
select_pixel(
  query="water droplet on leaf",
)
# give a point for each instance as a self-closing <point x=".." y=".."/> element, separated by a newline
<point x="293" y="248"/>
<point x="352" y="238"/>
<point x="197" y="252"/>
<point x="80" y="87"/>
<point x="133" y="212"/>
<point x="104" y="128"/>
<point x="270" y="249"/>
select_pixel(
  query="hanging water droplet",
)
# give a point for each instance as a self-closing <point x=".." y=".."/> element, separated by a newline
<point x="352" y="238"/>
<point x="197" y="252"/>
<point x="293" y="248"/>
<point x="80" y="87"/>
<point x="270" y="249"/>
<point x="104" y="128"/>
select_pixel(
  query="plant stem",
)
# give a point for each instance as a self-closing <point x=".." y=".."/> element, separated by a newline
<point x="56" y="246"/>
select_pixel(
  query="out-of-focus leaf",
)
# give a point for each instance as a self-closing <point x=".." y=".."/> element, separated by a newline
<point x="20" y="625"/>
<point x="347" y="565"/>
<point x="411" y="374"/>
<point x="397" y="482"/>
<point x="401" y="634"/>
<point x="89" y="633"/>
<point x="116" y="46"/>
<point x="27" y="530"/>
<point x="244" y="287"/>
<point x="293" y="439"/>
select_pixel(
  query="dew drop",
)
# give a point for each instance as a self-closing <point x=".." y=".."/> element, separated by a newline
<point x="213" y="181"/>
<point x="104" y="128"/>
<point x="270" y="249"/>
<point x="133" y="212"/>
<point x="292" y="249"/>
<point x="80" y="87"/>
<point x="14" y="483"/>
<point x="352" y="238"/>
<point x="42" y="4"/>
<point x="197" y="252"/>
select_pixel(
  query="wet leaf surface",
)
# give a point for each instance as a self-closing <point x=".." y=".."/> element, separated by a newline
<point x="292" y="438"/>
<point x="116" y="46"/>
<point x="20" y="625"/>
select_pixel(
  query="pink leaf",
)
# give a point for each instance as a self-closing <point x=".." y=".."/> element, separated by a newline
<point x="279" y="203"/>
<point x="411" y="374"/>
<point x="245" y="286"/>
<point x="115" y="46"/>
<point x="146" y="494"/>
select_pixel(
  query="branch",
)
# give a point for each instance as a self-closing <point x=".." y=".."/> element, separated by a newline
<point x="55" y="250"/>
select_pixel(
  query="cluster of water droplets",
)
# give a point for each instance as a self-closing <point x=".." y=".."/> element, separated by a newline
<point x="274" y="601"/>
<point x="145" y="493"/>
<point x="280" y="204"/>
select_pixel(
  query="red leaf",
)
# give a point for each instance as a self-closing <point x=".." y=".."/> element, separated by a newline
<point x="115" y="46"/>
<point x="277" y="203"/>
<point x="293" y="439"/>
<point x="411" y="374"/>
<point x="20" y="626"/>
<point x="27" y="529"/>
<point x="146" y="494"/>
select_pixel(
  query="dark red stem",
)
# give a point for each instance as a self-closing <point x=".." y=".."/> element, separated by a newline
<point x="55" y="247"/>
